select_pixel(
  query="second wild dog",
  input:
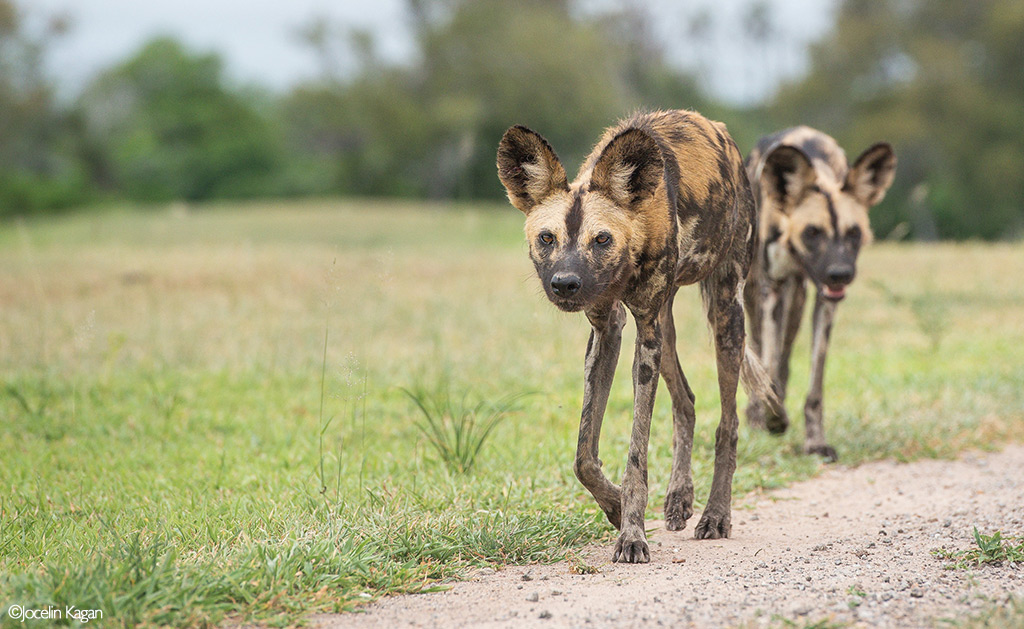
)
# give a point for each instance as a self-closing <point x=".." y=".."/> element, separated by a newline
<point x="813" y="213"/>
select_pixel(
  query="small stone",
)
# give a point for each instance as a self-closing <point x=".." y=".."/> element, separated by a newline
<point x="556" y="592"/>
<point x="545" y="614"/>
<point x="917" y="593"/>
<point x="527" y="576"/>
<point x="947" y="524"/>
<point x="533" y="597"/>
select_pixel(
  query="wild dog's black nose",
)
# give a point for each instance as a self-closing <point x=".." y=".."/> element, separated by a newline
<point x="565" y="284"/>
<point x="839" y="273"/>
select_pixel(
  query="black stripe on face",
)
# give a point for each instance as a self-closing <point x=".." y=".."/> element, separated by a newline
<point x="574" y="219"/>
<point x="832" y="216"/>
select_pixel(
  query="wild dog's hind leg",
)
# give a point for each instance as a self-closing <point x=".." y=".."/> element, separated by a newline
<point x="602" y="356"/>
<point x="631" y="546"/>
<point x="679" y="499"/>
<point x="726" y="314"/>
<point x="755" y="299"/>
<point x="824" y="312"/>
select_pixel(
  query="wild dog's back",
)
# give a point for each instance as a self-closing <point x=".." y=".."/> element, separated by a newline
<point x="705" y="183"/>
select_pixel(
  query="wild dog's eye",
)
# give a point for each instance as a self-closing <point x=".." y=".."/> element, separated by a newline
<point x="547" y="238"/>
<point x="854" y="235"/>
<point x="812" y="232"/>
<point x="603" y="238"/>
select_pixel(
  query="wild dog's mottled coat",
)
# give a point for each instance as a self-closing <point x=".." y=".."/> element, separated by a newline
<point x="813" y="213"/>
<point x="661" y="202"/>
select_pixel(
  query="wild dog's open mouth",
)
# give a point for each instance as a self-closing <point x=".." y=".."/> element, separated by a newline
<point x="835" y="293"/>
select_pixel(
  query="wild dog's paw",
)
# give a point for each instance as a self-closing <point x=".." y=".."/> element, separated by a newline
<point x="826" y="452"/>
<point x="631" y="548"/>
<point x="678" y="509"/>
<point x="714" y="524"/>
<point x="776" y="423"/>
<point x="764" y="418"/>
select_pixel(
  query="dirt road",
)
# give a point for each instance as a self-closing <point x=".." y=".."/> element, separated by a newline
<point x="850" y="546"/>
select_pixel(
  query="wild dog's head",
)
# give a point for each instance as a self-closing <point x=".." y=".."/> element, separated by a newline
<point x="584" y="236"/>
<point x="821" y="222"/>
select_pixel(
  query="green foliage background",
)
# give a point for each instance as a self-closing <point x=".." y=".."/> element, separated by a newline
<point x="940" y="80"/>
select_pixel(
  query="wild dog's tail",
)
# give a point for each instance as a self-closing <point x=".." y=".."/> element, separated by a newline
<point x="756" y="381"/>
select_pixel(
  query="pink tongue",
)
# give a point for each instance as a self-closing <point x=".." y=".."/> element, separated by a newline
<point x="834" y="293"/>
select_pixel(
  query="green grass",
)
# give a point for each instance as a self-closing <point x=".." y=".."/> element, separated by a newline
<point x="182" y="443"/>
<point x="1006" y="614"/>
<point x="989" y="549"/>
<point x="456" y="427"/>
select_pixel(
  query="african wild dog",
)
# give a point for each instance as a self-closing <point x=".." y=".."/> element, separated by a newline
<point x="813" y="214"/>
<point x="662" y="201"/>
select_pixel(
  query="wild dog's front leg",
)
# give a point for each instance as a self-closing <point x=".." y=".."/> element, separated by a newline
<point x="631" y="546"/>
<point x="602" y="356"/>
<point x="781" y="311"/>
<point x="824" y="312"/>
<point x="716" y="521"/>
<point x="679" y="499"/>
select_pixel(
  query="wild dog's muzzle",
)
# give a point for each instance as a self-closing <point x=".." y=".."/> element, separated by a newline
<point x="565" y="284"/>
<point x="837" y="277"/>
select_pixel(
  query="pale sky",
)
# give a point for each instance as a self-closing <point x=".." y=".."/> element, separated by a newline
<point x="257" y="37"/>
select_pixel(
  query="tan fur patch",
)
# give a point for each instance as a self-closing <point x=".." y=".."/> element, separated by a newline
<point x="538" y="182"/>
<point x="852" y="212"/>
<point x="548" y="215"/>
<point x="813" y="211"/>
<point x="600" y="215"/>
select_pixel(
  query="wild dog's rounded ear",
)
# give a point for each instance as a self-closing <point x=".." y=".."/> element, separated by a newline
<point x="872" y="174"/>
<point x="528" y="168"/>
<point x="787" y="175"/>
<point x="629" y="169"/>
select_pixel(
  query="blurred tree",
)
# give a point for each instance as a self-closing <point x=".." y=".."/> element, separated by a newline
<point x="431" y="129"/>
<point x="162" y="126"/>
<point x="38" y="162"/>
<point x="943" y="82"/>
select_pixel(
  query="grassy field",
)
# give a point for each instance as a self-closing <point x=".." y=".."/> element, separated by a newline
<point x="203" y="414"/>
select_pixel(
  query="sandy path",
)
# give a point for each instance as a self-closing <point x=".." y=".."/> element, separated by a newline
<point x="799" y="553"/>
